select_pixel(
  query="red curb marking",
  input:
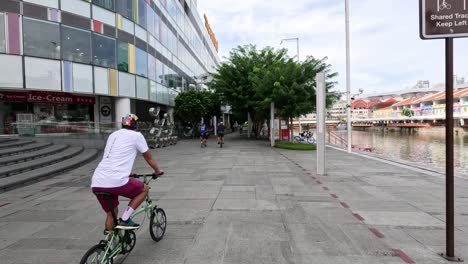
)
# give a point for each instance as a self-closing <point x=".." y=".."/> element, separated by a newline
<point x="358" y="217"/>
<point x="43" y="190"/>
<point x="4" y="204"/>
<point x="376" y="232"/>
<point x="334" y="195"/>
<point x="326" y="188"/>
<point x="345" y="205"/>
<point x="319" y="182"/>
<point x="313" y="177"/>
<point x="403" y="256"/>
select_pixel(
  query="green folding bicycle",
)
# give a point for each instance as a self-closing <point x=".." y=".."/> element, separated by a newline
<point x="120" y="241"/>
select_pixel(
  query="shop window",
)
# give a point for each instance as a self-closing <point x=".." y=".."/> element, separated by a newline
<point x="82" y="78"/>
<point x="150" y="23"/>
<point x="78" y="7"/>
<point x="142" y="87"/>
<point x="2" y="33"/>
<point x="42" y="74"/>
<point x="157" y="26"/>
<point x="159" y="71"/>
<point x="163" y="34"/>
<point x="151" y="67"/>
<point x="107" y="4"/>
<point x="125" y="8"/>
<point x="142" y="13"/>
<point x="76" y="45"/>
<point x="49" y="3"/>
<point x="122" y="56"/>
<point x="11" y="71"/>
<point x="152" y="91"/>
<point x="101" y="80"/>
<point x="103" y="51"/>
<point x="41" y="38"/>
<point x="141" y="62"/>
<point x="160" y="93"/>
<point x="126" y="84"/>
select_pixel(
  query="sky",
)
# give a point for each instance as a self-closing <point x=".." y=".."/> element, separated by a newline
<point x="387" y="53"/>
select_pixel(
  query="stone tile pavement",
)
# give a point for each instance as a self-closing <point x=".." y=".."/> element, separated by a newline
<point x="246" y="203"/>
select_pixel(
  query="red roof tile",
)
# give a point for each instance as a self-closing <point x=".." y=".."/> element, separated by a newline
<point x="406" y="101"/>
<point x="460" y="93"/>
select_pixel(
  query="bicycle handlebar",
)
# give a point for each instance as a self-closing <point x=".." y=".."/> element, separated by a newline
<point x="153" y="175"/>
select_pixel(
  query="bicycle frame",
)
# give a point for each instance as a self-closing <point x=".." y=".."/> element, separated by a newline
<point x="148" y="207"/>
<point x="114" y="239"/>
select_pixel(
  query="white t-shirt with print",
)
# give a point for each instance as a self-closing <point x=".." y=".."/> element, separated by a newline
<point x="116" y="165"/>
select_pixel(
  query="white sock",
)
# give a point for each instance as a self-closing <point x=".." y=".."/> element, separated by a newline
<point x="126" y="215"/>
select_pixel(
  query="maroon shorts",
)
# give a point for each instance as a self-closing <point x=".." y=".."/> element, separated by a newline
<point x="130" y="190"/>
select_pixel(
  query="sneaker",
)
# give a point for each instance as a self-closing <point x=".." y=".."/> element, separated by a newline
<point x="127" y="225"/>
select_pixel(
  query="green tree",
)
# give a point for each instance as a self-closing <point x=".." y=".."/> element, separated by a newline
<point x="189" y="107"/>
<point x="192" y="105"/>
<point x="407" y="112"/>
<point x="212" y="104"/>
<point x="252" y="79"/>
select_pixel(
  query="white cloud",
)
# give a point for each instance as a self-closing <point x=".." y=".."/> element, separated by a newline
<point x="386" y="51"/>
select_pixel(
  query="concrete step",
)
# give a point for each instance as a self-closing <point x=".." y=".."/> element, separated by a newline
<point x="23" y="149"/>
<point x="5" y="139"/>
<point x="13" y="144"/>
<point x="15" y="159"/>
<point x="19" y="180"/>
<point x="8" y="171"/>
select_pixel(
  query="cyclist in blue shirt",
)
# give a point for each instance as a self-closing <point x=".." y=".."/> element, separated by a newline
<point x="203" y="134"/>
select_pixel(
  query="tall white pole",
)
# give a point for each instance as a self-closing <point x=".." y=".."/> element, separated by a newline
<point x="348" y="77"/>
<point x="321" y="124"/>
<point x="272" y="124"/>
<point x="299" y="60"/>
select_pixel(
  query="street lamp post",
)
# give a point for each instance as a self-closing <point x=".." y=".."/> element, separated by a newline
<point x="348" y="77"/>
<point x="298" y="60"/>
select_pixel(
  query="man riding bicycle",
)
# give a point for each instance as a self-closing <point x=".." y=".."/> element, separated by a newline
<point x="220" y="129"/>
<point x="112" y="175"/>
<point x="203" y="133"/>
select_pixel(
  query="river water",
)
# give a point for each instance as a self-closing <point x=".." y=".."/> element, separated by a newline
<point x="425" y="148"/>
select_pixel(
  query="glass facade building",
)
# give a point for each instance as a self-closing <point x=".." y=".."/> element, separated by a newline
<point x="125" y="53"/>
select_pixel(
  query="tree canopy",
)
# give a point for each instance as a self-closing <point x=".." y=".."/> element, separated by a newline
<point x="192" y="105"/>
<point x="251" y="79"/>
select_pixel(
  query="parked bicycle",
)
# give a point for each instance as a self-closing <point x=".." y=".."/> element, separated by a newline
<point x="118" y="241"/>
<point x="305" y="137"/>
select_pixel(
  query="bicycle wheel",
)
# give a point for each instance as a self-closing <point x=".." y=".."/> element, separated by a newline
<point x="129" y="241"/>
<point x="297" y="139"/>
<point x="157" y="224"/>
<point x="95" y="255"/>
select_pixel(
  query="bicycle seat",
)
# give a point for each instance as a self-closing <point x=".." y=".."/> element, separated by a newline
<point x="103" y="194"/>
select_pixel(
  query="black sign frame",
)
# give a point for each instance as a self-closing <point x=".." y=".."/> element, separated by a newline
<point x="422" y="24"/>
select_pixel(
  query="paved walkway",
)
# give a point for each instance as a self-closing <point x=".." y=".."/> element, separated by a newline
<point x="246" y="203"/>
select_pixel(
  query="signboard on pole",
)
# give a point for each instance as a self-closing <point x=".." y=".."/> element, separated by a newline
<point x="446" y="19"/>
<point x="443" y="19"/>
